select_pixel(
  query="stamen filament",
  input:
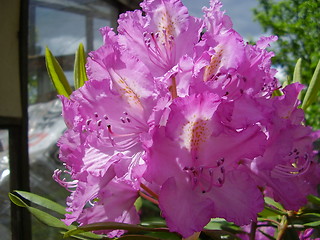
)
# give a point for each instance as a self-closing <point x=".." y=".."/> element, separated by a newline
<point x="173" y="88"/>
<point x="145" y="196"/>
<point x="148" y="190"/>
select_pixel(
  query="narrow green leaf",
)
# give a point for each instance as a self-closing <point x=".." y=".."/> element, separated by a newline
<point x="138" y="203"/>
<point x="41" y="201"/>
<point x="314" y="199"/>
<point x="273" y="203"/>
<point x="48" y="219"/>
<point x="313" y="89"/>
<point x="79" y="72"/>
<point x="40" y="215"/>
<point x="44" y="217"/>
<point x="312" y="224"/>
<point x="297" y="75"/>
<point x="311" y="215"/>
<point x="297" y="72"/>
<point x="85" y="236"/>
<point x="16" y="200"/>
<point x="268" y="212"/>
<point x="52" y="221"/>
<point x="56" y="74"/>
<point x="112" y="226"/>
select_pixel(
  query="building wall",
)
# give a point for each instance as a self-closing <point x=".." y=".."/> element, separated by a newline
<point x="10" y="101"/>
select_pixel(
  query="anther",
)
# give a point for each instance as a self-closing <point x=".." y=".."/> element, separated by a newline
<point x="109" y="128"/>
<point x="105" y="117"/>
<point x="88" y="122"/>
<point x="99" y="123"/>
<point x="96" y="114"/>
<point x="122" y="120"/>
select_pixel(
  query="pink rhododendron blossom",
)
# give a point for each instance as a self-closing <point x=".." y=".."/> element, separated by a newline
<point x="162" y="36"/>
<point x="181" y="111"/>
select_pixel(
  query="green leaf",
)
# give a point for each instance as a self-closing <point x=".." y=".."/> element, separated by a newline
<point x="273" y="203"/>
<point x="112" y="226"/>
<point x="297" y="72"/>
<point x="44" y="217"/>
<point x="312" y="224"/>
<point x="41" y="201"/>
<point x="138" y="203"/>
<point x="277" y="92"/>
<point x="311" y="215"/>
<point x="56" y="74"/>
<point x="52" y="221"/>
<point x="79" y="72"/>
<point x="268" y="212"/>
<point x="313" y="89"/>
<point x="297" y="75"/>
<point x="40" y="215"/>
<point x="48" y="219"/>
<point x="314" y="199"/>
<point x="16" y="200"/>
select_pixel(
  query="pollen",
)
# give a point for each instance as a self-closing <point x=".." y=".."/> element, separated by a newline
<point x="127" y="93"/>
<point x="195" y="134"/>
<point x="214" y="65"/>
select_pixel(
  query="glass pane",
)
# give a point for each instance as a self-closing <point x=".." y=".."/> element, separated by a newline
<point x="5" y="228"/>
<point x="97" y="24"/>
<point x="61" y="25"/>
<point x="60" y="30"/>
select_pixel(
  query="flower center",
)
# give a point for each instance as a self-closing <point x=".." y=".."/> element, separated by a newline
<point x="298" y="165"/>
<point x="205" y="178"/>
<point x="159" y="47"/>
<point x="212" y="69"/>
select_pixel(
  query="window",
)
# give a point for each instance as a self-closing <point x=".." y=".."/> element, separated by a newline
<point x="61" y="25"/>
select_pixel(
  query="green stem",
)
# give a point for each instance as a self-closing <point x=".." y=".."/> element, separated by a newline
<point x="282" y="227"/>
<point x="252" y="235"/>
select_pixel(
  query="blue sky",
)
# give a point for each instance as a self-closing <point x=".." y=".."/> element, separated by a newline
<point x="240" y="12"/>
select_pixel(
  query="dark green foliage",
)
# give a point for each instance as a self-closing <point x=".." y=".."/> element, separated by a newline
<point x="296" y="23"/>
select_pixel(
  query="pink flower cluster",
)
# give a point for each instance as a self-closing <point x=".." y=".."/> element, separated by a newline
<point x="181" y="111"/>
